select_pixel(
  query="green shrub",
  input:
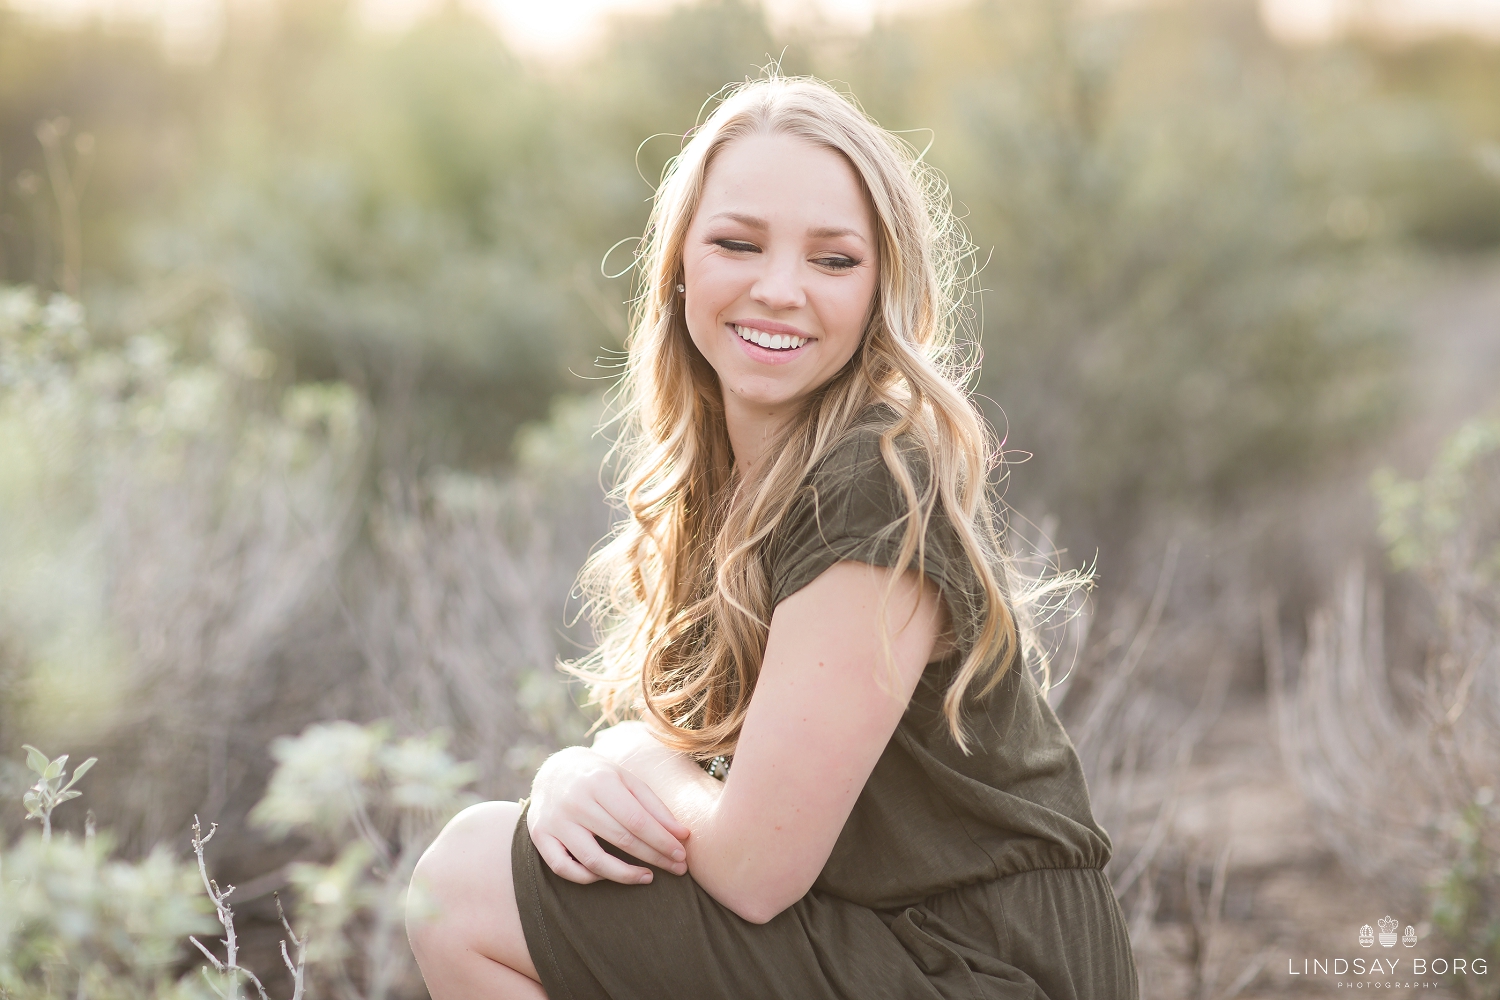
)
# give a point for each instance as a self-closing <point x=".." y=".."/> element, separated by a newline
<point x="76" y="920"/>
<point x="1445" y="529"/>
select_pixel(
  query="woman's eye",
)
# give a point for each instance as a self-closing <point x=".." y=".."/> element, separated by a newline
<point x="838" y="263"/>
<point x="738" y="246"/>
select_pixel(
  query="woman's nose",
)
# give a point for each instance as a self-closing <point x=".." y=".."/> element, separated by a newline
<point x="779" y="286"/>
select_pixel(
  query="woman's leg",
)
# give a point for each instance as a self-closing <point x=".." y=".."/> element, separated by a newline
<point x="462" y="919"/>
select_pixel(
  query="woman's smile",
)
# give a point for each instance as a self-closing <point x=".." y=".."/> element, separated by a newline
<point x="770" y="343"/>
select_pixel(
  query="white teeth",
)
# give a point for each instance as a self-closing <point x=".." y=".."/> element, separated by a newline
<point x="774" y="342"/>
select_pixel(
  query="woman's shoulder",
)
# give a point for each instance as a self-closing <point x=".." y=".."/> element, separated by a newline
<point x="852" y="506"/>
<point x="856" y="460"/>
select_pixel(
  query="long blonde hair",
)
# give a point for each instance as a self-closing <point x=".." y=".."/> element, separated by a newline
<point x="680" y="594"/>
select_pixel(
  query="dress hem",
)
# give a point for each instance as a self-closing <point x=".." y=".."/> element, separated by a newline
<point x="523" y="860"/>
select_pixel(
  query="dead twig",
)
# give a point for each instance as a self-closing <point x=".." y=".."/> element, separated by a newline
<point x="229" y="967"/>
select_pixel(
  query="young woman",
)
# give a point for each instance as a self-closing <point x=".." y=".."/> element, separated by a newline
<point x="808" y="584"/>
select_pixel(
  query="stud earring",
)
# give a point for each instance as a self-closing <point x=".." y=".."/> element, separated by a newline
<point x="681" y="290"/>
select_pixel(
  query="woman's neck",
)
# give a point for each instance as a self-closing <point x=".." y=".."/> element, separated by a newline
<point x="753" y="430"/>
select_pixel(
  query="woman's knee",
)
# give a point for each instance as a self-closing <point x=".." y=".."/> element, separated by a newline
<point x="462" y="895"/>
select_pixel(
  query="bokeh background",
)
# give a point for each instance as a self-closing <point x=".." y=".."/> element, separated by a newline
<point x="306" y="328"/>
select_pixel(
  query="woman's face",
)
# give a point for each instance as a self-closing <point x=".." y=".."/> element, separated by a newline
<point x="780" y="269"/>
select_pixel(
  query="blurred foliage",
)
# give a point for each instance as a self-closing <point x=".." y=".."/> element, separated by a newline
<point x="377" y="801"/>
<point x="1175" y="213"/>
<point x="193" y="561"/>
<point x="1172" y="315"/>
<point x="129" y="476"/>
<point x="74" y="921"/>
<point x="77" y="921"/>
<point x="1445" y="529"/>
<point x="1465" y="898"/>
<point x="1446" y="525"/>
<point x="328" y="778"/>
<point x="1442" y="181"/>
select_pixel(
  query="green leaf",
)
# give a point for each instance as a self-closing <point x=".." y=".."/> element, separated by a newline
<point x="81" y="770"/>
<point x="30" y="800"/>
<point x="55" y="768"/>
<point x="35" y="759"/>
<point x="65" y="796"/>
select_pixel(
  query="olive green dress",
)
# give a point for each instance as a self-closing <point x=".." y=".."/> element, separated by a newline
<point x="977" y="877"/>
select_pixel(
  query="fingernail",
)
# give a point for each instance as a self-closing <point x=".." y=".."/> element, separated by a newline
<point x="679" y="854"/>
<point x="645" y="878"/>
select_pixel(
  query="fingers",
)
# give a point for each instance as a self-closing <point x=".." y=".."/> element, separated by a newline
<point x="623" y="820"/>
<point x="560" y="861"/>
<point x="587" y="852"/>
<point x="655" y="806"/>
<point x="607" y="828"/>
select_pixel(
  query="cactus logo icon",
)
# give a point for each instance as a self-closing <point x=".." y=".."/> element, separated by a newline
<point x="1410" y="937"/>
<point x="1388" y="925"/>
<point x="1367" y="936"/>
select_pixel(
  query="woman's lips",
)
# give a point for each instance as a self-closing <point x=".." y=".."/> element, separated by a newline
<point x="774" y="340"/>
<point x="783" y="347"/>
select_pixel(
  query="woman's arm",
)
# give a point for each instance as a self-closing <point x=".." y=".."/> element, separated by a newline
<point x="824" y="709"/>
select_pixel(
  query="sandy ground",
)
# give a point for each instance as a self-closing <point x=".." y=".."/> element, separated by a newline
<point x="1286" y="897"/>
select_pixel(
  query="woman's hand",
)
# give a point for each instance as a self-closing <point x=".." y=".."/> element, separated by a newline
<point x="579" y="794"/>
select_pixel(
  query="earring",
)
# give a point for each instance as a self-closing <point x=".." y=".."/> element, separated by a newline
<point x="681" y="290"/>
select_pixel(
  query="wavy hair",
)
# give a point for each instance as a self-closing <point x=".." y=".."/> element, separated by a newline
<point x="679" y="594"/>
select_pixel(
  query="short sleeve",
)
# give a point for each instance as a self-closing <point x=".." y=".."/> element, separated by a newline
<point x="852" y="508"/>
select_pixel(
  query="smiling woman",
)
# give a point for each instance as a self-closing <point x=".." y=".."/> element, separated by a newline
<point x="808" y="597"/>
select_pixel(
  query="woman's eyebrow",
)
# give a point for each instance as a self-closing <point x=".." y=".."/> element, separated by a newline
<point x="831" y="232"/>
<point x="820" y="233"/>
<point x="754" y="222"/>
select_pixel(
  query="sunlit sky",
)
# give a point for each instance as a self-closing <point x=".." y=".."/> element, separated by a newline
<point x="561" y="27"/>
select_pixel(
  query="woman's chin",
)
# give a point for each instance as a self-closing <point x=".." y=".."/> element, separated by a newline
<point x="768" y="398"/>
